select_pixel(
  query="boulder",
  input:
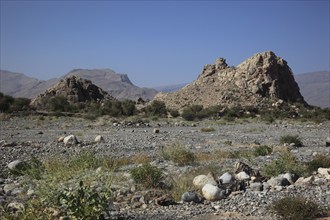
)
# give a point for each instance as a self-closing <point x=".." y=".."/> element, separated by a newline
<point x="17" y="166"/>
<point x="99" y="139"/>
<point x="278" y="181"/>
<point x="213" y="193"/>
<point x="70" y="140"/>
<point x="226" y="178"/>
<point x="323" y="171"/>
<point x="191" y="197"/>
<point x="242" y="176"/>
<point x="201" y="180"/>
<point x="290" y="177"/>
<point x="305" y="181"/>
<point x="256" y="186"/>
<point x="327" y="142"/>
<point x="16" y="206"/>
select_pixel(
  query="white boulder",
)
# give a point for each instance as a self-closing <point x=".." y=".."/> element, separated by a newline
<point x="213" y="193"/>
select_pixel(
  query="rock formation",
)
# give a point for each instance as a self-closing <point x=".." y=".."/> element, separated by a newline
<point x="258" y="81"/>
<point x="75" y="89"/>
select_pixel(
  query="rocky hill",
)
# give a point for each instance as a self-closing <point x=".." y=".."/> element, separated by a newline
<point x="315" y="87"/>
<point x="75" y="89"/>
<point x="118" y="85"/>
<point x="260" y="80"/>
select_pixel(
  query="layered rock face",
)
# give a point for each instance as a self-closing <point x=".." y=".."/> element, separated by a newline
<point x="75" y="89"/>
<point x="258" y="81"/>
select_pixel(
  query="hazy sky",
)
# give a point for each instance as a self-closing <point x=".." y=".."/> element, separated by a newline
<point x="163" y="42"/>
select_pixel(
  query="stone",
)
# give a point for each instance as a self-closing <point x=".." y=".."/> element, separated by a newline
<point x="201" y="180"/>
<point x="60" y="139"/>
<point x="327" y="142"/>
<point x="242" y="176"/>
<point x="156" y="131"/>
<point x="7" y="188"/>
<point x="17" y="166"/>
<point x="305" y="181"/>
<point x="256" y="186"/>
<point x="323" y="171"/>
<point x="70" y="140"/>
<point x="16" y="206"/>
<point x="191" y="197"/>
<point x="99" y="139"/>
<point x="278" y="181"/>
<point x="212" y="193"/>
<point x="290" y="177"/>
<point x="226" y="178"/>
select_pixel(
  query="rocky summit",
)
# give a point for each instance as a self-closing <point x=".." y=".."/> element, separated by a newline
<point x="75" y="89"/>
<point x="259" y="81"/>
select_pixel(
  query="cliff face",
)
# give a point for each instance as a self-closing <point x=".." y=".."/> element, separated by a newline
<point x="258" y="81"/>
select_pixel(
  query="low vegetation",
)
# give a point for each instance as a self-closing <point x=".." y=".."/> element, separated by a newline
<point x="147" y="175"/>
<point x="262" y="150"/>
<point x="178" y="154"/>
<point x="289" y="139"/>
<point x="295" y="208"/>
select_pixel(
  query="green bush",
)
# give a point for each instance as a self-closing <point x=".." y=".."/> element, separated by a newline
<point x="262" y="150"/>
<point x="83" y="204"/>
<point x="147" y="175"/>
<point x="11" y="104"/>
<point x="317" y="162"/>
<point x="291" y="139"/>
<point x="295" y="208"/>
<point x="156" y="108"/>
<point x="60" y="104"/>
<point x="285" y="163"/>
<point x="174" y="113"/>
<point x="192" y="112"/>
<point x="178" y="154"/>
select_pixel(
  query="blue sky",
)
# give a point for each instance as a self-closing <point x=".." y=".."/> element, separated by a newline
<point x="159" y="42"/>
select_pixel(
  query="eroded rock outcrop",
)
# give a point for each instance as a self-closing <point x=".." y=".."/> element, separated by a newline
<point x="258" y="81"/>
<point x="74" y="89"/>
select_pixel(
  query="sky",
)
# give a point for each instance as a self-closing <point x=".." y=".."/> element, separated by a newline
<point x="159" y="42"/>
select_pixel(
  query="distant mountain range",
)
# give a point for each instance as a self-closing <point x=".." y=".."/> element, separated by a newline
<point x="314" y="86"/>
<point x="117" y="85"/>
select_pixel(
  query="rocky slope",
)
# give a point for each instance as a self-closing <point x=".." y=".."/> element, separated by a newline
<point x="315" y="88"/>
<point x="20" y="85"/>
<point x="75" y="89"/>
<point x="257" y="81"/>
<point x="118" y="85"/>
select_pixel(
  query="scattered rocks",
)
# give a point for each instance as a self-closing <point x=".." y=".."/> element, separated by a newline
<point x="278" y="181"/>
<point x="242" y="176"/>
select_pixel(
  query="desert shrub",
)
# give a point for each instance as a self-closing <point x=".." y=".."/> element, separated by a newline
<point x="295" y="208"/>
<point x="291" y="139"/>
<point x="317" y="162"/>
<point x="208" y="129"/>
<point x="156" y="108"/>
<point x="83" y="204"/>
<point x="174" y="113"/>
<point x="192" y="112"/>
<point x="147" y="175"/>
<point x="262" y="150"/>
<point x="60" y="104"/>
<point x="128" y="107"/>
<point x="285" y="163"/>
<point x="178" y="154"/>
<point x="11" y="104"/>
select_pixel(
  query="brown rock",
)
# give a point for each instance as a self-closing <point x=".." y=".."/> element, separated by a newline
<point x="259" y="81"/>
